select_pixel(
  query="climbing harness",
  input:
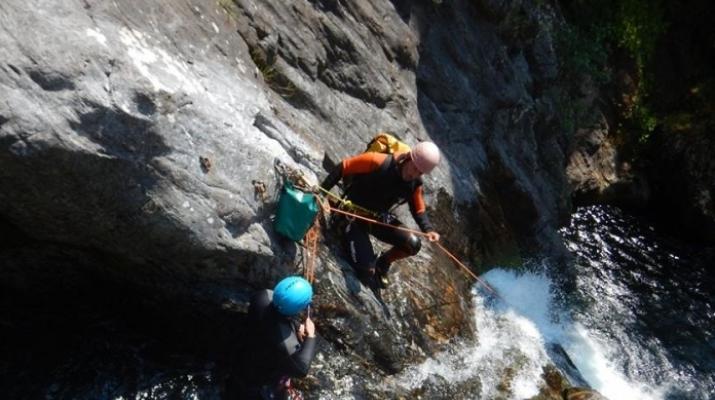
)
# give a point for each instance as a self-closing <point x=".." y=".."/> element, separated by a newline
<point x="346" y="204"/>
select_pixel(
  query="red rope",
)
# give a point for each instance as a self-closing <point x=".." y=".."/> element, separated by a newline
<point x="484" y="283"/>
<point x="402" y="228"/>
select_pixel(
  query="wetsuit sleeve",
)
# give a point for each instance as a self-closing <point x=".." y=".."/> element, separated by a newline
<point x="419" y="210"/>
<point x="260" y="301"/>
<point x="361" y="164"/>
<point x="285" y="353"/>
<point x="333" y="178"/>
<point x="298" y="364"/>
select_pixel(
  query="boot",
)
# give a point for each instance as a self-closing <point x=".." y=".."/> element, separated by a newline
<point x="382" y="266"/>
<point x="368" y="277"/>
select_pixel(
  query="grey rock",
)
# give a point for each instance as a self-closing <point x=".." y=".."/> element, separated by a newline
<point x="135" y="131"/>
<point x="598" y="175"/>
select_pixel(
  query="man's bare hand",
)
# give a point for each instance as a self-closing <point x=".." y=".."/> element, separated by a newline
<point x="309" y="327"/>
<point x="432" y="236"/>
<point x="301" y="332"/>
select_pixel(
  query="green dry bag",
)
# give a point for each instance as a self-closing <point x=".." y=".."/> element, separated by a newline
<point x="296" y="211"/>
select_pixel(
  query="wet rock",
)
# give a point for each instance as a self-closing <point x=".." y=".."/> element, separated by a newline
<point x="554" y="384"/>
<point x="582" y="394"/>
<point x="557" y="387"/>
<point x="133" y="135"/>
<point x="437" y="387"/>
<point x="665" y="170"/>
<point x="599" y="175"/>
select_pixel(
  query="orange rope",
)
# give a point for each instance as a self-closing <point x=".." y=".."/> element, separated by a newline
<point x="311" y="245"/>
<point x="402" y="228"/>
<point x="485" y="284"/>
<point x="455" y="259"/>
<point x="310" y="241"/>
<point x="314" y="252"/>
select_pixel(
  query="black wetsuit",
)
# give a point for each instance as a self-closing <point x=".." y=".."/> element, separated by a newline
<point x="377" y="185"/>
<point x="274" y="351"/>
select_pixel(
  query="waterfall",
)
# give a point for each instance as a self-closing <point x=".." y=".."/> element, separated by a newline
<point x="636" y="325"/>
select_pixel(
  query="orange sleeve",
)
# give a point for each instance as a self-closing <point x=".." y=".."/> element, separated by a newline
<point x="363" y="163"/>
<point x="418" y="200"/>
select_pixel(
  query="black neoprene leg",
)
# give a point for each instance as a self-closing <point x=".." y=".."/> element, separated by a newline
<point x="405" y="243"/>
<point x="361" y="255"/>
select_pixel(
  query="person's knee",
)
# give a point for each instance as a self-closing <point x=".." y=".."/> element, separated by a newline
<point x="414" y="244"/>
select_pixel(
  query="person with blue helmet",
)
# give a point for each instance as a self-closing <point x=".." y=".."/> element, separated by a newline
<point x="281" y="348"/>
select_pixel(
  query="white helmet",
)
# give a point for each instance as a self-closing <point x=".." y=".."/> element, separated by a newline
<point x="426" y="156"/>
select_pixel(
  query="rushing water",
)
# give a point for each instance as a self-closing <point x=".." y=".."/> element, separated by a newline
<point x="635" y="318"/>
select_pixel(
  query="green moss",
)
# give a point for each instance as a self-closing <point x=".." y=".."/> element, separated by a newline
<point x="273" y="78"/>
<point x="584" y="51"/>
<point x="229" y="7"/>
<point x="598" y="31"/>
<point x="697" y="113"/>
<point x="638" y="25"/>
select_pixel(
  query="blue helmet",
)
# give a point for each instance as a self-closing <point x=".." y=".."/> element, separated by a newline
<point x="292" y="295"/>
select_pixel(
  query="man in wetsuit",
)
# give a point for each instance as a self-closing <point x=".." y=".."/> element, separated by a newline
<point x="279" y="348"/>
<point x="379" y="182"/>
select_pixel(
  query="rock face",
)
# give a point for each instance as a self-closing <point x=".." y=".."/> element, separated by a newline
<point x="104" y="129"/>
<point x="457" y="74"/>
<point x="682" y="168"/>
<point x="670" y="175"/>
<point x="133" y="134"/>
<point x="682" y="174"/>
<point x="597" y="172"/>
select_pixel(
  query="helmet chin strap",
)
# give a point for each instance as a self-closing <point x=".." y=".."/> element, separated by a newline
<point x="402" y="158"/>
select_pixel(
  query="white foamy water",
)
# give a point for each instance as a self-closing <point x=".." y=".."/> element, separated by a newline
<point x="515" y="331"/>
